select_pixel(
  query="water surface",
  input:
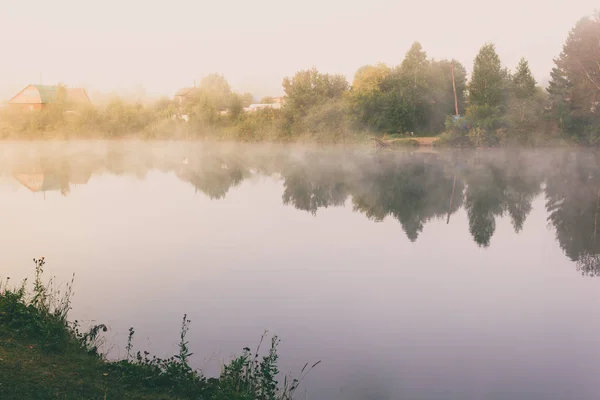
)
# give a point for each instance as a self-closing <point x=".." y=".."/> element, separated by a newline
<point x="411" y="275"/>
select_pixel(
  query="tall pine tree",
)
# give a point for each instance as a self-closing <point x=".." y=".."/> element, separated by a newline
<point x="523" y="85"/>
<point x="559" y="93"/>
<point x="488" y="81"/>
<point x="413" y="79"/>
<point x="523" y="81"/>
<point x="575" y="86"/>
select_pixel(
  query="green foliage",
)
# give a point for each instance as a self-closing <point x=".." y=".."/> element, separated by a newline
<point x="262" y="124"/>
<point x="454" y="138"/>
<point x="236" y="106"/>
<point x="42" y="316"/>
<point x="310" y="88"/>
<point x="247" y="99"/>
<point x="366" y="98"/>
<point x="184" y="352"/>
<point x="413" y="80"/>
<point x="248" y="378"/>
<point x="575" y="86"/>
<point x="485" y="117"/>
<point x="558" y="92"/>
<point x="121" y="118"/>
<point x="523" y="81"/>
<point x="161" y="374"/>
<point x="488" y="84"/>
<point x="40" y="320"/>
<point x="306" y="91"/>
<point x="215" y="88"/>
<point x="328" y="122"/>
<point x="503" y="108"/>
<point x="485" y="137"/>
<point x="525" y="105"/>
<point x="415" y="96"/>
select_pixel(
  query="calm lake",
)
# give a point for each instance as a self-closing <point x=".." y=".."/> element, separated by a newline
<point x="410" y="274"/>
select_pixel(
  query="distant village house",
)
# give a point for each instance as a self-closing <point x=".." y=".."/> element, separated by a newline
<point x="185" y="94"/>
<point x="275" y="105"/>
<point x="36" y="97"/>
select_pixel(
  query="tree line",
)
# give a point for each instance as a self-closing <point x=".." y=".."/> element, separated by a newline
<point x="419" y="96"/>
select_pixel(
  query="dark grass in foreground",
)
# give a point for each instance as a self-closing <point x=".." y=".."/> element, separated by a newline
<point x="44" y="356"/>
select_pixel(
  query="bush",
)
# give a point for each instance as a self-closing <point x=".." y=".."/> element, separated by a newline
<point x="327" y="122"/>
<point x="593" y="134"/>
<point x="39" y="318"/>
<point x="482" y="137"/>
<point x="260" y="124"/>
<point x="487" y="118"/>
<point x="453" y="138"/>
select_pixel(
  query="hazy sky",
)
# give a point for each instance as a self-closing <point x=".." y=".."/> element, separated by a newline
<point x="164" y="45"/>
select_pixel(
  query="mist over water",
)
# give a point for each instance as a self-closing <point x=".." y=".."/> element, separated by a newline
<point x="410" y="274"/>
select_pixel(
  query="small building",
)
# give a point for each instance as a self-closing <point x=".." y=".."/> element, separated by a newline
<point x="256" y="107"/>
<point x="36" y="97"/>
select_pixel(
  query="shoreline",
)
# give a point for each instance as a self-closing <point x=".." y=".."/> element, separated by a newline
<point x="45" y="355"/>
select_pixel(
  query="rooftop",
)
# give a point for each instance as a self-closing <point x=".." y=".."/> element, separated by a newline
<point x="48" y="94"/>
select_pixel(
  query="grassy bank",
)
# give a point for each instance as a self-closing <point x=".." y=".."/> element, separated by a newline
<point x="45" y="356"/>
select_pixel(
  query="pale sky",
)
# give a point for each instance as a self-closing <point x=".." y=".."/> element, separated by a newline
<point x="164" y="45"/>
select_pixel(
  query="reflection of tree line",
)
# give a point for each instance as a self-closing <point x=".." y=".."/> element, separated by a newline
<point x="415" y="189"/>
<point x="496" y="190"/>
<point x="212" y="175"/>
<point x="573" y="202"/>
<point x="411" y="188"/>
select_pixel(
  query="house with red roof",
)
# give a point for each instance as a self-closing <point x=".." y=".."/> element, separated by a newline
<point x="36" y="97"/>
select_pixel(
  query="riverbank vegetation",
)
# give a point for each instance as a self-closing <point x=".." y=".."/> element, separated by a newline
<point x="509" y="108"/>
<point x="498" y="105"/>
<point x="45" y="356"/>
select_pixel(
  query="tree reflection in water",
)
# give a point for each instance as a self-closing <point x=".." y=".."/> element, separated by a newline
<point x="573" y="204"/>
<point x="411" y="187"/>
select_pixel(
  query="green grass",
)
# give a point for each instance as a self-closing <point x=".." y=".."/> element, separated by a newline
<point x="29" y="372"/>
<point x="44" y="356"/>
